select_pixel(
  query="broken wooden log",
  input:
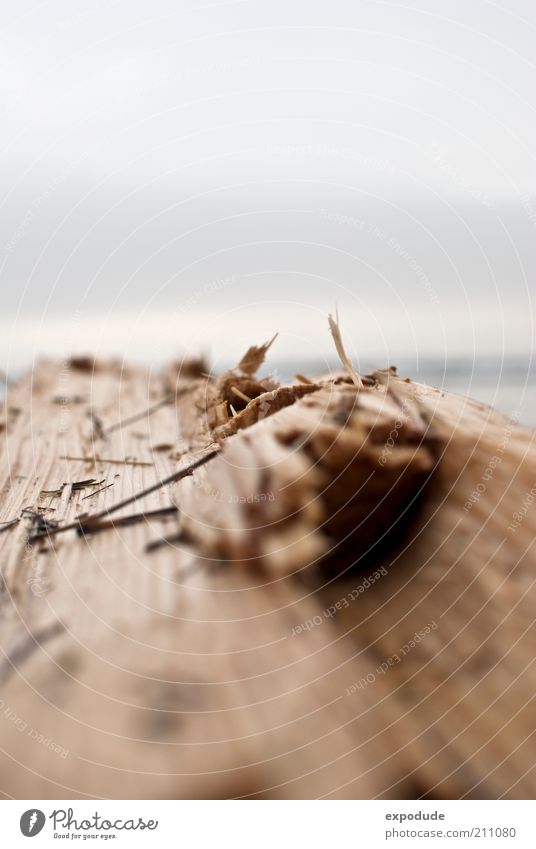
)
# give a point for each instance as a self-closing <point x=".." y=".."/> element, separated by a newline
<point x="344" y="609"/>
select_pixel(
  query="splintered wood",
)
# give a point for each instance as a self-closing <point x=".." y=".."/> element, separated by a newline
<point x="317" y="477"/>
<point x="337" y="599"/>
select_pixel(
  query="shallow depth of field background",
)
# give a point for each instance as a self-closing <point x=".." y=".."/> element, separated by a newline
<point x="179" y="176"/>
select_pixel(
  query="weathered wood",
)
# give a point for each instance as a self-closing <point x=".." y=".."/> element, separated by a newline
<point x="466" y="719"/>
<point x="177" y="673"/>
<point x="163" y="674"/>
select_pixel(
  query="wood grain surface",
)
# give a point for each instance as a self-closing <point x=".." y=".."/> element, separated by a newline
<point x="175" y="673"/>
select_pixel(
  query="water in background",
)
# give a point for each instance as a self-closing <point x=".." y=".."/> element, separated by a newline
<point x="508" y="384"/>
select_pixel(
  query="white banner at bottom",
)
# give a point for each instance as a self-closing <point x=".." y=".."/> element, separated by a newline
<point x="268" y="824"/>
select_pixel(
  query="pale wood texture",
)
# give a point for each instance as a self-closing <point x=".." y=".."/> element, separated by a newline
<point x="172" y="674"/>
<point x="162" y="674"/>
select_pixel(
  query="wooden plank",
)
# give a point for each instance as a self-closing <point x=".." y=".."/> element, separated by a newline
<point x="127" y="674"/>
<point x="465" y="720"/>
<point x="174" y="674"/>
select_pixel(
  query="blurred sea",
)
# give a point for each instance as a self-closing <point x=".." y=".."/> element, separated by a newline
<point x="508" y="384"/>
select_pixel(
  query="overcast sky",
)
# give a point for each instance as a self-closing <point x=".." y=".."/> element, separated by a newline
<point x="185" y="174"/>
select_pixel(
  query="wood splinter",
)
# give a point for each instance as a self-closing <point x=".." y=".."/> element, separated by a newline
<point x="83" y="523"/>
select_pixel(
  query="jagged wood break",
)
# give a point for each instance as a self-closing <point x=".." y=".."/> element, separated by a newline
<point x="330" y="469"/>
<point x="206" y="668"/>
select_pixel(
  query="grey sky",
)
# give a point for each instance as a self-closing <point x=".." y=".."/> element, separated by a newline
<point x="174" y="172"/>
